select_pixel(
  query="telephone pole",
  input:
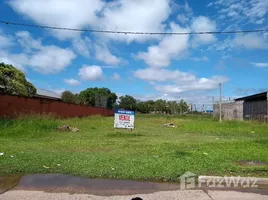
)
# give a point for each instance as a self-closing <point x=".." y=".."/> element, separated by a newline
<point x="220" y="101"/>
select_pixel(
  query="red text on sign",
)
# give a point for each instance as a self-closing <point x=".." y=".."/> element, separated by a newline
<point x="124" y="117"/>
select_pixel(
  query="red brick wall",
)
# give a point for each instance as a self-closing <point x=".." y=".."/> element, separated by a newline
<point x="14" y="105"/>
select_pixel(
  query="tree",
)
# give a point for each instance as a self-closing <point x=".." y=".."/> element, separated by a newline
<point x="151" y="105"/>
<point x="111" y="100"/>
<point x="142" y="106"/>
<point x="172" y="107"/>
<point x="128" y="102"/>
<point x="161" y="105"/>
<point x="145" y="106"/>
<point x="13" y="81"/>
<point x="69" y="97"/>
<point x="182" y="106"/>
<point x="99" y="97"/>
<point x="87" y="97"/>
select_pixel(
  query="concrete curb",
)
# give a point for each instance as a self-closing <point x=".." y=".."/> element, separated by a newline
<point x="241" y="181"/>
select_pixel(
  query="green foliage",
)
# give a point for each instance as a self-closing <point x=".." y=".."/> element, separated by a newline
<point x="128" y="102"/>
<point x="96" y="97"/>
<point x="111" y="100"/>
<point x="99" y="97"/>
<point x="143" y="107"/>
<point x="69" y="97"/>
<point x="103" y="97"/>
<point x="13" y="81"/>
<point x="183" y="107"/>
<point x="161" y="105"/>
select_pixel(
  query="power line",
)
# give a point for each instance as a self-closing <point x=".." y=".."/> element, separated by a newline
<point x="133" y="32"/>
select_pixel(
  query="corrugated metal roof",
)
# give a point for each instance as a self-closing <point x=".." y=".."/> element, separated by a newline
<point x="263" y="94"/>
<point x="47" y="93"/>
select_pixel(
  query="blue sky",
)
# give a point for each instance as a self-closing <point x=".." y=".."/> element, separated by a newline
<point x="147" y="67"/>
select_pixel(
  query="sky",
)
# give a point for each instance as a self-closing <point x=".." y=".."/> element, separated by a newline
<point x="170" y="67"/>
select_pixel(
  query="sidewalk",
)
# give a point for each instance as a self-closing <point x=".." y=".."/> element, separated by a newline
<point x="167" y="195"/>
<point x="61" y="187"/>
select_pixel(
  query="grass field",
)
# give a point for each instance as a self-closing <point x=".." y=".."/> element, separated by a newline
<point x="151" y="152"/>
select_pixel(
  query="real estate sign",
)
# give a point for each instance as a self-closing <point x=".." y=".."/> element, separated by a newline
<point x="124" y="119"/>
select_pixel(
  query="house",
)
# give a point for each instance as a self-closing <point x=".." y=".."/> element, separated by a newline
<point x="253" y="107"/>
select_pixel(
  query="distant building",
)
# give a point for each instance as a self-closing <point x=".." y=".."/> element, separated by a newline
<point x="254" y="107"/>
<point x="46" y="94"/>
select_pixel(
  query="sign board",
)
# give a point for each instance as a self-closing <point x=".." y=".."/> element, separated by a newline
<point x="124" y="119"/>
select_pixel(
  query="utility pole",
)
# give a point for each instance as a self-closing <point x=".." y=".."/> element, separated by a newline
<point x="220" y="102"/>
<point x="213" y="100"/>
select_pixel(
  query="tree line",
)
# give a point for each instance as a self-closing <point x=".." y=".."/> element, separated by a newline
<point x="96" y="97"/>
<point x="150" y="106"/>
<point x="13" y="82"/>
<point x="103" y="97"/>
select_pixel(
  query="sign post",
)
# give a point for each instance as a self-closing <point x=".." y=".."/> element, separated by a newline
<point x="124" y="119"/>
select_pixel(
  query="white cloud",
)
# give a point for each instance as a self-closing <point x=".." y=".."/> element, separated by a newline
<point x="210" y="4"/>
<point x="187" y="8"/>
<point x="103" y="54"/>
<point x="200" y="59"/>
<point x="110" y="67"/>
<point x="44" y="59"/>
<point x="249" y="11"/>
<point x="82" y="46"/>
<point x="201" y="84"/>
<point x="225" y="45"/>
<point x="62" y="13"/>
<point x="17" y="60"/>
<point x="200" y="24"/>
<point x="72" y="82"/>
<point x="182" y="81"/>
<point x="116" y="76"/>
<point x="139" y="15"/>
<point x="260" y="65"/>
<point x="25" y="39"/>
<point x="5" y="40"/>
<point x="183" y="19"/>
<point x="243" y="41"/>
<point x="90" y="73"/>
<point x="51" y="59"/>
<point x="151" y="74"/>
<point x="185" y="15"/>
<point x="170" y="47"/>
<point x="251" y="41"/>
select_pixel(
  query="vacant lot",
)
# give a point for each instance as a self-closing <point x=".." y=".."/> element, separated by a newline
<point x="197" y="144"/>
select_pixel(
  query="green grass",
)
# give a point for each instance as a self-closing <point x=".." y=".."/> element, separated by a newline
<point x="151" y="152"/>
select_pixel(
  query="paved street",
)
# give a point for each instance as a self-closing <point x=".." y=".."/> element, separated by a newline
<point x="167" y="195"/>
<point x="61" y="187"/>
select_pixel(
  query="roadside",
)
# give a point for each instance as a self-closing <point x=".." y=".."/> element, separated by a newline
<point x="59" y="186"/>
<point x="167" y="195"/>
